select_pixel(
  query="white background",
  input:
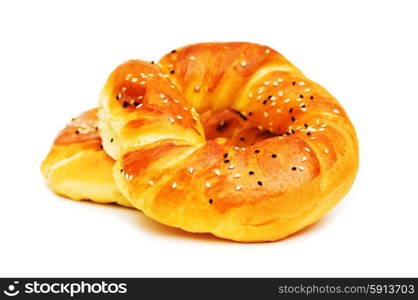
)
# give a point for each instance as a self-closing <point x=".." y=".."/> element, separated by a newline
<point x="55" y="57"/>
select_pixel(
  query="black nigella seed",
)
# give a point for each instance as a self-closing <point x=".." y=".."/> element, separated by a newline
<point x="210" y="201"/>
<point x="251" y="172"/>
<point x="287" y="133"/>
<point x="152" y="62"/>
<point x="259" y="183"/>
<point x="308" y="133"/>
<point x="293" y="131"/>
<point x="306" y="125"/>
<point x="294" y="83"/>
<point x="274" y="155"/>
<point x="257" y="151"/>
<point x="226" y="161"/>
<point x="111" y="140"/>
<point x="125" y="104"/>
<point x="77" y="132"/>
<point x="242" y="139"/>
<point x="250" y="113"/>
<point x="225" y="155"/>
<point x="265" y="101"/>
<point x="121" y="170"/>
<point x="174" y="51"/>
<point x="269" y="97"/>
<point x="118" y="96"/>
<point x="312" y="97"/>
<point x="172" y="71"/>
<point x="290" y="110"/>
<point x="301" y="96"/>
<point x="293" y="168"/>
<point x="293" y="119"/>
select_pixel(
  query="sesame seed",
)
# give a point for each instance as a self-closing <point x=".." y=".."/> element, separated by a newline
<point x="197" y="88"/>
<point x="307" y="149"/>
<point x="172" y="119"/>
<point x="238" y="187"/>
<point x="307" y="90"/>
<point x="237" y="175"/>
<point x="151" y="182"/>
<point x="131" y="177"/>
<point x="165" y="101"/>
<point x="301" y="168"/>
<point x="304" y="158"/>
<point x="326" y="150"/>
<point x="118" y="96"/>
<point x="231" y="166"/>
<point x="174" y="185"/>
<point x="336" y="111"/>
<point x="286" y="101"/>
<point x="192" y="58"/>
<point x="134" y="79"/>
<point x="266" y="83"/>
<point x="162" y="96"/>
<point x="176" y="101"/>
<point x="143" y="82"/>
<point x="179" y="117"/>
<point x="267" y="51"/>
<point x="266" y="114"/>
<point x="207" y="184"/>
<point x="191" y="170"/>
<point x="280" y="93"/>
<point x="217" y="172"/>
<point x="301" y="83"/>
<point x="243" y="64"/>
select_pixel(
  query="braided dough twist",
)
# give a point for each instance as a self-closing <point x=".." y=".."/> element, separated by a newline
<point x="262" y="191"/>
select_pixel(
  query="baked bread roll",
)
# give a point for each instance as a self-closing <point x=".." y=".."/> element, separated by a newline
<point x="261" y="190"/>
<point x="77" y="167"/>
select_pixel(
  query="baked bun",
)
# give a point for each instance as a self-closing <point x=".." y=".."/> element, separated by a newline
<point x="87" y="175"/>
<point x="77" y="167"/>
<point x="260" y="190"/>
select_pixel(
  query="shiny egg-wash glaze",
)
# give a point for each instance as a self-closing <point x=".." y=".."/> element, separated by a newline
<point x="264" y="191"/>
<point x="77" y="167"/>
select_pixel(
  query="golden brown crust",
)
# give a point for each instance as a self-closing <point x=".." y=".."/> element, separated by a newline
<point x="264" y="190"/>
<point x="77" y="167"/>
